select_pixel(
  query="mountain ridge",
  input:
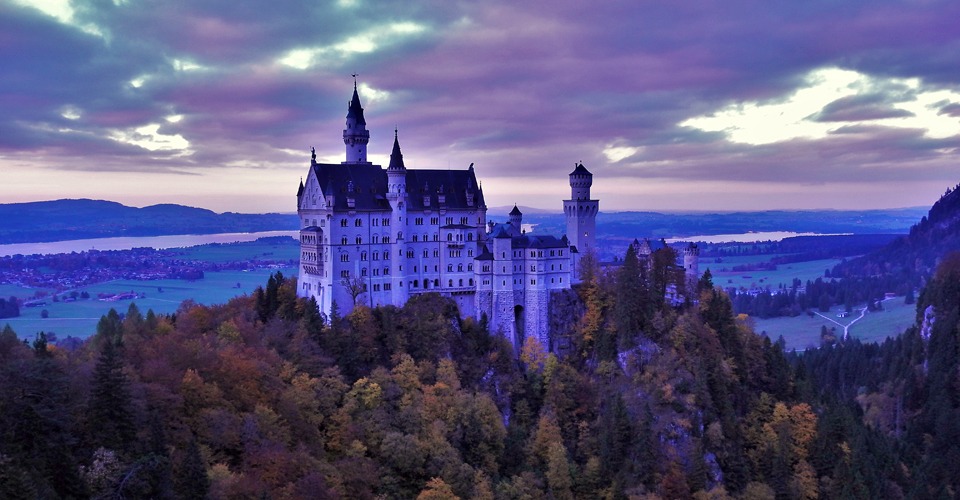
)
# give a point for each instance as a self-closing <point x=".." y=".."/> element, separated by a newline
<point x="69" y="219"/>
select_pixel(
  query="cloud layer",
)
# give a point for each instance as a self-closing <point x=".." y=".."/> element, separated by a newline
<point x="711" y="105"/>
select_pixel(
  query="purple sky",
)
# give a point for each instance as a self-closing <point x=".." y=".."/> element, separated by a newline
<point x="710" y="105"/>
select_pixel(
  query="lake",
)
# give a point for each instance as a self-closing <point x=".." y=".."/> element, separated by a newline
<point x="748" y="237"/>
<point x="128" y="242"/>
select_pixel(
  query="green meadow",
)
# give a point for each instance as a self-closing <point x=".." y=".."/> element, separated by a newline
<point x="802" y="332"/>
<point x="79" y="318"/>
<point x="783" y="275"/>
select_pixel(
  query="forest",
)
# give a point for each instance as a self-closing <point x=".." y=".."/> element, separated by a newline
<point x="262" y="397"/>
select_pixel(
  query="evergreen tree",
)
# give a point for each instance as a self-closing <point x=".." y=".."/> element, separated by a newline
<point x="110" y="412"/>
<point x="192" y="480"/>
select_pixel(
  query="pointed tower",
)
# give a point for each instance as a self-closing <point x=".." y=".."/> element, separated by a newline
<point x="516" y="220"/>
<point x="581" y="211"/>
<point x="397" y="197"/>
<point x="356" y="136"/>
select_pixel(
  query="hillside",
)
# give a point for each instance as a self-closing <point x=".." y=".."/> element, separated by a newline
<point x="60" y="220"/>
<point x="913" y="257"/>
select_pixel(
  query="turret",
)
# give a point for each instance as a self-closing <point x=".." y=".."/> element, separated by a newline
<point x="516" y="219"/>
<point x="396" y="172"/>
<point x="691" y="268"/>
<point x="356" y="136"/>
<point x="581" y="211"/>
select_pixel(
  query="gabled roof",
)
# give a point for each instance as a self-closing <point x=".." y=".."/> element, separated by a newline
<point x="485" y="254"/>
<point x="534" y="241"/>
<point x="455" y="184"/>
<point x="369" y="184"/>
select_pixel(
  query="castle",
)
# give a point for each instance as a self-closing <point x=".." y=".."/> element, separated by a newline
<point x="378" y="236"/>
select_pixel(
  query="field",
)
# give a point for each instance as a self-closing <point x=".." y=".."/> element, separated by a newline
<point x="79" y="319"/>
<point x="282" y="249"/>
<point x="803" y="331"/>
<point x="784" y="274"/>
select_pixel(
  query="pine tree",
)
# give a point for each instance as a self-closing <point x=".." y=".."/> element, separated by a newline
<point x="110" y="412"/>
<point x="192" y="480"/>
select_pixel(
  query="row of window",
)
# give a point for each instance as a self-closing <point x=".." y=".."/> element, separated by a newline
<point x="435" y="221"/>
<point x="435" y="283"/>
<point x="358" y="222"/>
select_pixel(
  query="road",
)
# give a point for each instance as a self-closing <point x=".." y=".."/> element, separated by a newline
<point x="846" y="328"/>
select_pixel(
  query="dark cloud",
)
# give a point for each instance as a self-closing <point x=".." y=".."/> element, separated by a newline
<point x="859" y="108"/>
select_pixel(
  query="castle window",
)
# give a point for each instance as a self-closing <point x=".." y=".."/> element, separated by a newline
<point x="343" y="222"/>
<point x="399" y="235"/>
<point x="533" y="282"/>
<point x="415" y="238"/>
<point x="464" y="220"/>
<point x="561" y="280"/>
<point x="344" y="257"/>
<point x="386" y="255"/>
<point x="387" y="286"/>
<point x="425" y="238"/>
<point x="359" y="240"/>
<point x="363" y="271"/>
<point x="363" y="255"/>
<point x="533" y="269"/>
<point x="386" y="239"/>
<point x="449" y="220"/>
<point x="449" y="268"/>
<point x="551" y="280"/>
<point x="414" y="268"/>
<point x="416" y="283"/>
<point x="451" y="284"/>
<point x="470" y="253"/>
<point x="409" y="254"/>
<point x="561" y="267"/>
<point x="386" y="270"/>
<point x="436" y="253"/>
<point x="376" y="255"/>
<point x="436" y="237"/>
<point x="376" y="288"/>
<point x="376" y="238"/>
<point x="343" y="240"/>
<point x="345" y="273"/>
<point x="551" y="267"/>
<point x="551" y="253"/>
<point x="461" y="282"/>
<point x="426" y="253"/>
<point x="436" y="283"/>
<point x="375" y="222"/>
<point x="471" y="281"/>
<point x="460" y="268"/>
<point x="469" y="236"/>
<point x="376" y="271"/>
<point x="418" y="221"/>
<point x="434" y="221"/>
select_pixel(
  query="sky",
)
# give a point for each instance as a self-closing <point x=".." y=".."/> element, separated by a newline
<point x="709" y="105"/>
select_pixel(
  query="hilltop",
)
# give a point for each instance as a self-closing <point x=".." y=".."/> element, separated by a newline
<point x="71" y="219"/>
<point x="914" y="256"/>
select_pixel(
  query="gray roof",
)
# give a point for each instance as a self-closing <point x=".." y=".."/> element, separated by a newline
<point x="580" y="170"/>
<point x="369" y="184"/>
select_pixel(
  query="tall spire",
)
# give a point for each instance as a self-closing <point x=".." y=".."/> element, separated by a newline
<point x="396" y="157"/>
<point x="356" y="136"/>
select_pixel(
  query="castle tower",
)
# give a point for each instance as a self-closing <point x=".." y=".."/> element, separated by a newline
<point x="356" y="136"/>
<point x="396" y="196"/>
<point x="581" y="211"/>
<point x="691" y="269"/>
<point x="516" y="219"/>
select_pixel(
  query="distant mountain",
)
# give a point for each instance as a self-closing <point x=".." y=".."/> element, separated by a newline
<point x="913" y="257"/>
<point x="60" y="220"/>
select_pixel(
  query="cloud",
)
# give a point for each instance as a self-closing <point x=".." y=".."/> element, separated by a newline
<point x="803" y="93"/>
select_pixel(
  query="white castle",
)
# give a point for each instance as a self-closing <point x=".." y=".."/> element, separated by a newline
<point x="378" y="236"/>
